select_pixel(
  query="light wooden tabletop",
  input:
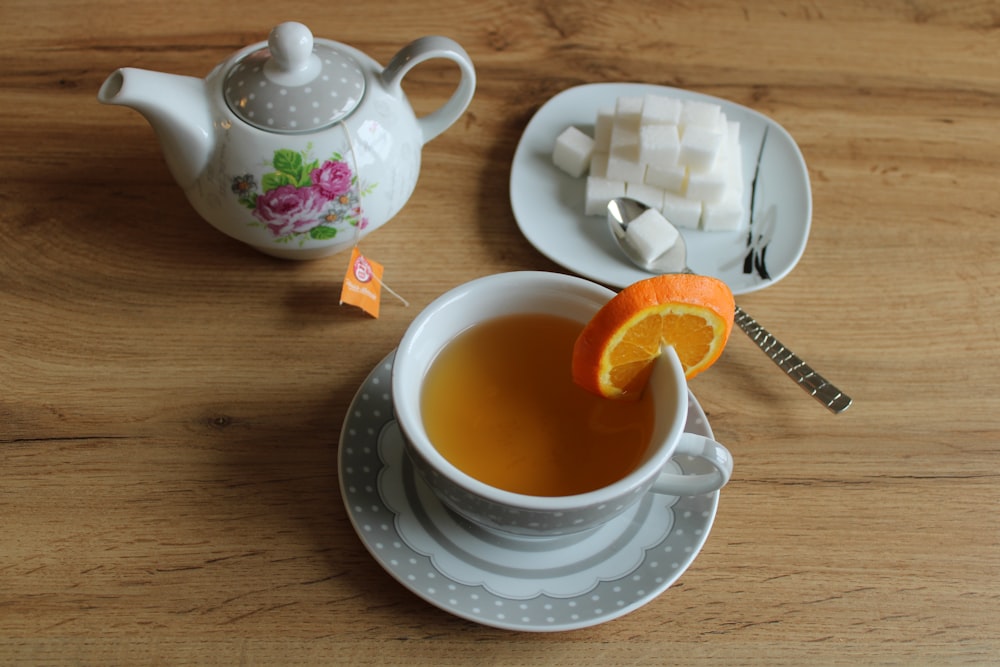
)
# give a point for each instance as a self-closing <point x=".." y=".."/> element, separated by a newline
<point x="171" y="400"/>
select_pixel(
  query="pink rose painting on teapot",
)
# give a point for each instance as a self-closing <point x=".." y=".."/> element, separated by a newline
<point x="303" y="197"/>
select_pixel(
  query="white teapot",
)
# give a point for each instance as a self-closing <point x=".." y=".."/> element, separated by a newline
<point x="296" y="146"/>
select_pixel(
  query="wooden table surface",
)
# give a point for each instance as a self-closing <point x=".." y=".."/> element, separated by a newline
<point x="171" y="400"/>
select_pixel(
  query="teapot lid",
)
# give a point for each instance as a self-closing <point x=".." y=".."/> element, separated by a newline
<point x="294" y="85"/>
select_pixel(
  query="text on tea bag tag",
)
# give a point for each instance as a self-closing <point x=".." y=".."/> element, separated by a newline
<point x="362" y="283"/>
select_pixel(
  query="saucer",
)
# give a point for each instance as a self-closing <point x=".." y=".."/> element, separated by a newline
<point x="501" y="580"/>
<point x="548" y="204"/>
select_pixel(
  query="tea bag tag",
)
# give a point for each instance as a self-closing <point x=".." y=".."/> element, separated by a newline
<point x="362" y="283"/>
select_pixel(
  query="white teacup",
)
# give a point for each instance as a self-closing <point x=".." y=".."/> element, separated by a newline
<point x="567" y="296"/>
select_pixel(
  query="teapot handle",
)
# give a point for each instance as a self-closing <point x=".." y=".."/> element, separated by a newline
<point x="417" y="52"/>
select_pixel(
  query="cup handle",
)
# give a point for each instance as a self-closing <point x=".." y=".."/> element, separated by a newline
<point x="417" y="52"/>
<point x="693" y="485"/>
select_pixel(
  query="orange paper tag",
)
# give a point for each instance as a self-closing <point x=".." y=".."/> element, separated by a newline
<point x="362" y="283"/>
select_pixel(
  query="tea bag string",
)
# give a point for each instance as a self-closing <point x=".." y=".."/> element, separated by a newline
<point x="361" y="208"/>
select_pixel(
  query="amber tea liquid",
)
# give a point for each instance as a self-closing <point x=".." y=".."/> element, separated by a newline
<point x="500" y="404"/>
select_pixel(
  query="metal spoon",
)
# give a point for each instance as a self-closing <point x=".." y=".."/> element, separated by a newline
<point x="623" y="210"/>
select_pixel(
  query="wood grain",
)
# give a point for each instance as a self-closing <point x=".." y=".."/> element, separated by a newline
<point x="171" y="401"/>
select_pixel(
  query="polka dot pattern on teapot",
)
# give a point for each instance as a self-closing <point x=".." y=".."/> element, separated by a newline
<point x="310" y="87"/>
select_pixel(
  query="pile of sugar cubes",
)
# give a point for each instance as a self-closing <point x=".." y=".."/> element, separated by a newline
<point x="681" y="158"/>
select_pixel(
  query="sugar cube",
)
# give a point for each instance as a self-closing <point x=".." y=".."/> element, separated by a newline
<point x="700" y="147"/>
<point x="599" y="164"/>
<point x="660" y="110"/>
<point x="723" y="216"/>
<point x="659" y="144"/>
<point x="624" y="169"/>
<point x="650" y="234"/>
<point x="734" y="158"/>
<point x="711" y="185"/>
<point x="708" y="186"/>
<point x="700" y="114"/>
<point x="683" y="212"/>
<point x="628" y="111"/>
<point x="646" y="194"/>
<point x="599" y="192"/>
<point x="573" y="151"/>
<point x="726" y="213"/>
<point x="672" y="179"/>
<point x="602" y="130"/>
<point x="624" y="142"/>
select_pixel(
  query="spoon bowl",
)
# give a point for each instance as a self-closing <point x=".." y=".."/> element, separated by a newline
<point x="623" y="210"/>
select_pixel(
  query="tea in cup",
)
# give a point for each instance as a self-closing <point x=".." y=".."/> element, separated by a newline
<point x="483" y="393"/>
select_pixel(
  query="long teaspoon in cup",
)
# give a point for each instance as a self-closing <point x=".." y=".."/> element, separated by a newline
<point x="623" y="210"/>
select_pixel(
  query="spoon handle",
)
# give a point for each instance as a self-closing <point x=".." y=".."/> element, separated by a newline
<point x="798" y="370"/>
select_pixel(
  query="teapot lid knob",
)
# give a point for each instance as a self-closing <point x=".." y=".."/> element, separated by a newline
<point x="292" y="62"/>
<point x="296" y="84"/>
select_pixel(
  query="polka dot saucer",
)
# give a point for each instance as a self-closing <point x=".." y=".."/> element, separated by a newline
<point x="500" y="580"/>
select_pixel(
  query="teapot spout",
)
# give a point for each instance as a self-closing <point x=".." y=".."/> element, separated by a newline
<point x="177" y="107"/>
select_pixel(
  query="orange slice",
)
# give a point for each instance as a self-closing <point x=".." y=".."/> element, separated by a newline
<point x="614" y="354"/>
